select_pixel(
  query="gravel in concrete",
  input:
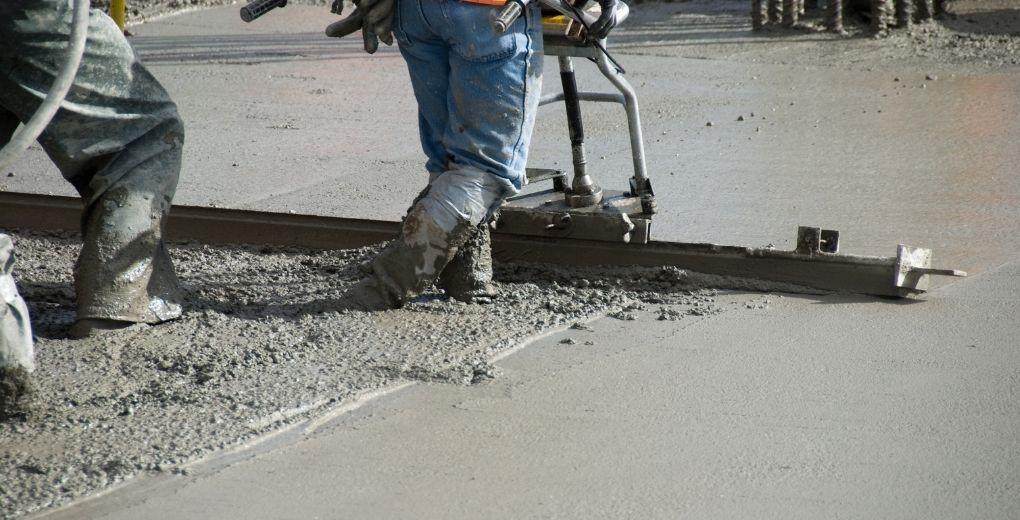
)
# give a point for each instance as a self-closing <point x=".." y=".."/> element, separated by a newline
<point x="261" y="346"/>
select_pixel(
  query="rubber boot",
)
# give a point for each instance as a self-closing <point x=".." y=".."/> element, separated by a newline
<point x="468" y="277"/>
<point x="410" y="264"/>
<point x="366" y="267"/>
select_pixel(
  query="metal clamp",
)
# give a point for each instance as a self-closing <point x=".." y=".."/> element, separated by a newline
<point x="812" y="240"/>
<point x="913" y="264"/>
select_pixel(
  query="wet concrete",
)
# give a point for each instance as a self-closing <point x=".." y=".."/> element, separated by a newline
<point x="265" y="343"/>
<point x="15" y="392"/>
<point x="794" y="408"/>
<point x="772" y="405"/>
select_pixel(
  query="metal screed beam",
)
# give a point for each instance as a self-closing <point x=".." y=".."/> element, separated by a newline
<point x="815" y="263"/>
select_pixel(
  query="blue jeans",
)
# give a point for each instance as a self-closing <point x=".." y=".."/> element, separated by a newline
<point x="477" y="90"/>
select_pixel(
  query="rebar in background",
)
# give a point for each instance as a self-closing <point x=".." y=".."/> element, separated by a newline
<point x="775" y="11"/>
<point x="834" y="16"/>
<point x="759" y="14"/>
<point x="790" y="11"/>
<point x="925" y="10"/>
<point x="904" y="13"/>
<point x="879" y="9"/>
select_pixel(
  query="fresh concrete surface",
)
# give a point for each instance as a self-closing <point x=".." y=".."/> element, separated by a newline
<point x="808" y="408"/>
<point x="832" y="407"/>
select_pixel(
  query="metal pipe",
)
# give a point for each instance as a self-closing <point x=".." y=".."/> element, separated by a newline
<point x="598" y="97"/>
<point x="630" y="104"/>
<point x="575" y="127"/>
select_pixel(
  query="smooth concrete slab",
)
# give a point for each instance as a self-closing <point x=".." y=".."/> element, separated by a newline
<point x="789" y="407"/>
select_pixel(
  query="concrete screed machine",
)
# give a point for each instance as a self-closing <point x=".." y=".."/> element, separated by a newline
<point x="599" y="226"/>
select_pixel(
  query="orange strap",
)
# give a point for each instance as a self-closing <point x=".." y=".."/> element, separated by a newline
<point x="486" y="2"/>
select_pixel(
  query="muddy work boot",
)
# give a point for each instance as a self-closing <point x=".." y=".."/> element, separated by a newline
<point x="468" y="277"/>
<point x="410" y="264"/>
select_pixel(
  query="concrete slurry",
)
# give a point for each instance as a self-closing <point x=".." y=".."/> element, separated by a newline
<point x="799" y="407"/>
<point x="818" y="407"/>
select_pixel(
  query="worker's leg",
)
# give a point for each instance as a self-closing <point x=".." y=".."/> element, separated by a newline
<point x="495" y="84"/>
<point x="477" y="94"/>
<point x="431" y="235"/>
<point x="468" y="277"/>
<point x="118" y="140"/>
<point x="17" y="358"/>
<point x="495" y="139"/>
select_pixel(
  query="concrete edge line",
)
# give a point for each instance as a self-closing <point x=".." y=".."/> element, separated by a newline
<point x="139" y="485"/>
<point x="134" y="489"/>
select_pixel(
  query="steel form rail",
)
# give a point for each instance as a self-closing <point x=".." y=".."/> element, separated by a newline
<point x="877" y="276"/>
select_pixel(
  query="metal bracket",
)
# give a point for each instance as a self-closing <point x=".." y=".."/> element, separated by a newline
<point x="535" y="175"/>
<point x="907" y="272"/>
<point x="912" y="266"/>
<point x="591" y="196"/>
<point x="812" y="240"/>
<point x="618" y="218"/>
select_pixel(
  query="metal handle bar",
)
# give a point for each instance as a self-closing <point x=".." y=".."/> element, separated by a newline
<point x="513" y="8"/>
<point x="508" y="15"/>
<point x="257" y="8"/>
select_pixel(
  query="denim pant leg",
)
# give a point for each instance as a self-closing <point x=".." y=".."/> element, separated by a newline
<point x="477" y="90"/>
<point x="117" y="139"/>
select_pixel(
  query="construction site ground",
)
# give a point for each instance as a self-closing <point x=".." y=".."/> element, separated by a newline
<point x="594" y="393"/>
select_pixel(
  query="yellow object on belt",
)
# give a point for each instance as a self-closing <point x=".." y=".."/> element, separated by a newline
<point x="486" y="2"/>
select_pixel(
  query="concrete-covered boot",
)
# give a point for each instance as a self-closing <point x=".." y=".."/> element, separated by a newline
<point x="441" y="220"/>
<point x="468" y="277"/>
<point x="124" y="274"/>
<point x="410" y="264"/>
<point x="17" y="355"/>
<point x="366" y="267"/>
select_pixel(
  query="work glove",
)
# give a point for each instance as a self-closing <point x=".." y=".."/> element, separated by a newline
<point x="373" y="17"/>
<point x="607" y="20"/>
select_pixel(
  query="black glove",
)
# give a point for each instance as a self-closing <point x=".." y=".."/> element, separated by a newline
<point x="373" y="17"/>
<point x="607" y="20"/>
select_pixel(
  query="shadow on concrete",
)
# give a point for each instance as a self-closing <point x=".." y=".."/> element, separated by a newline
<point x="1004" y="22"/>
<point x="250" y="49"/>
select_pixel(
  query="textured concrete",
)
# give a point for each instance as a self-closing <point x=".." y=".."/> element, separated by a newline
<point x="806" y="408"/>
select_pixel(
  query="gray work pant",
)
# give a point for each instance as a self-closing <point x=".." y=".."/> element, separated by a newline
<point x="15" y="329"/>
<point x="117" y="138"/>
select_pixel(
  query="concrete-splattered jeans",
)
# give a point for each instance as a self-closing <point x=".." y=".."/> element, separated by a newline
<point x="477" y="90"/>
<point x="117" y="138"/>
